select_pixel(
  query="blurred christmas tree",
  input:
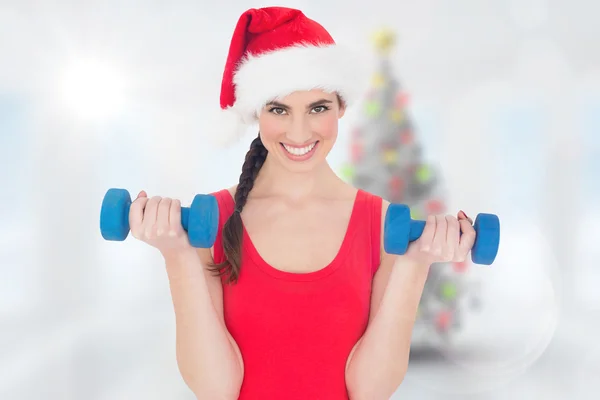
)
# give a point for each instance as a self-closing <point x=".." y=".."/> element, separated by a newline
<point x="386" y="159"/>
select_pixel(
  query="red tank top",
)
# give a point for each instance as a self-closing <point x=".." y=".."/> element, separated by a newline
<point x="296" y="331"/>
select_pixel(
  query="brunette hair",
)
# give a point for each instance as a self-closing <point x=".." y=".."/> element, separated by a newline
<point x="233" y="230"/>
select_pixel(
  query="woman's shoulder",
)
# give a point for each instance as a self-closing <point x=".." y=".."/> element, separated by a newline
<point x="231" y="190"/>
<point x="224" y="194"/>
<point x="370" y="195"/>
<point x="379" y="207"/>
<point x="225" y="200"/>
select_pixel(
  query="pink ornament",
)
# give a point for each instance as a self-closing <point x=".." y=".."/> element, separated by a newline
<point x="435" y="207"/>
<point x="460" y="267"/>
<point x="356" y="151"/>
<point x="443" y="321"/>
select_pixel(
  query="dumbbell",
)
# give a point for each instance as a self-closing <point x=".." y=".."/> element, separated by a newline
<point x="400" y="230"/>
<point x="200" y="220"/>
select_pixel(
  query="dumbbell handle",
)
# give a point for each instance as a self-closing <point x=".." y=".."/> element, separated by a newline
<point x="416" y="230"/>
<point x="185" y="216"/>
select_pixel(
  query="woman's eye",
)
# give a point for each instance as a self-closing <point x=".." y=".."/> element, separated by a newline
<point x="319" y="109"/>
<point x="278" y="110"/>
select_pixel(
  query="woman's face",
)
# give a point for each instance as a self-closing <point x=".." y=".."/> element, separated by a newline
<point x="299" y="130"/>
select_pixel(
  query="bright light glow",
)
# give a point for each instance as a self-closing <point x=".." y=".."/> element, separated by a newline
<point x="93" y="90"/>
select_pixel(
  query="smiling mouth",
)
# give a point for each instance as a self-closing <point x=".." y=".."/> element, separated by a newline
<point x="299" y="151"/>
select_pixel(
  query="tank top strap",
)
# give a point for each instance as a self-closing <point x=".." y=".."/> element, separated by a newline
<point x="226" y="205"/>
<point x="369" y="232"/>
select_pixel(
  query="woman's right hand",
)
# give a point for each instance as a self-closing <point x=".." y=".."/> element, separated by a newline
<point x="157" y="222"/>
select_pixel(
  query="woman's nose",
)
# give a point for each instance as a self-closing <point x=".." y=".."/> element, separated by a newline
<point x="298" y="131"/>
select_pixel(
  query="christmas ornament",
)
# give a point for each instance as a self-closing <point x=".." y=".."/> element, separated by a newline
<point x="378" y="81"/>
<point x="357" y="151"/>
<point x="434" y="207"/>
<point x="423" y="174"/>
<point x="396" y="116"/>
<point x="347" y="172"/>
<point x="448" y="291"/>
<point x="396" y="189"/>
<point x="444" y="320"/>
<point x="416" y="214"/>
<point x="402" y="100"/>
<point x="460" y="267"/>
<point x="384" y="40"/>
<point x="406" y="137"/>
<point x="372" y="108"/>
<point x="390" y="156"/>
<point x="396" y="183"/>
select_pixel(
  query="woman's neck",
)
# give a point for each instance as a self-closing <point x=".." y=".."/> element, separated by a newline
<point x="276" y="181"/>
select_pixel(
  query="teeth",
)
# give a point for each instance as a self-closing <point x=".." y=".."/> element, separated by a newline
<point x="299" y="151"/>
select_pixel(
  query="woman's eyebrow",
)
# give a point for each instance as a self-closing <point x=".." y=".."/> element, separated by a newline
<point x="277" y="104"/>
<point x="311" y="105"/>
<point x="318" y="103"/>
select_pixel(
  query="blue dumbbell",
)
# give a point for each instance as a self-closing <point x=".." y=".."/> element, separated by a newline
<point x="200" y="220"/>
<point x="400" y="230"/>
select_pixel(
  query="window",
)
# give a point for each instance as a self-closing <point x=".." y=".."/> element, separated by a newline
<point x="515" y="132"/>
<point x="18" y="265"/>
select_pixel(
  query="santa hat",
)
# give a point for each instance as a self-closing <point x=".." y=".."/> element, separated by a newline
<point x="275" y="51"/>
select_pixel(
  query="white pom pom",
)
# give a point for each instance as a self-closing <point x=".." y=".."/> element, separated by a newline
<point x="226" y="127"/>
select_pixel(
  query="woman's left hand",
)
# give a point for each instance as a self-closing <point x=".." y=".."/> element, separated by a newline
<point x="445" y="238"/>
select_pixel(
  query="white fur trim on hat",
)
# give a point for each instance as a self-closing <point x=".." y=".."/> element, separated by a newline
<point x="276" y="74"/>
<point x="227" y="127"/>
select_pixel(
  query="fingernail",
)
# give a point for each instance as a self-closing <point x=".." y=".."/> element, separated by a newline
<point x="464" y="214"/>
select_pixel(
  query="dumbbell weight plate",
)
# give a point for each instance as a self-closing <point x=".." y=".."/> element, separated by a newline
<point x="487" y="242"/>
<point x="397" y="229"/>
<point x="203" y="222"/>
<point x="114" y="215"/>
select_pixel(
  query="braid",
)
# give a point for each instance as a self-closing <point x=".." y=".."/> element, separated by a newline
<point x="255" y="158"/>
<point x="233" y="229"/>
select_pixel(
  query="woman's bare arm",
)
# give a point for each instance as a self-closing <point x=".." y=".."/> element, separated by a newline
<point x="208" y="358"/>
<point x="379" y="361"/>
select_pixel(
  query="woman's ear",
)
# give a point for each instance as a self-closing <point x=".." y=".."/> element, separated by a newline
<point x="342" y="110"/>
<point x="341" y="106"/>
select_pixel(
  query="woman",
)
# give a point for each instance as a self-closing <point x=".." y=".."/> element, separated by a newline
<point x="297" y="298"/>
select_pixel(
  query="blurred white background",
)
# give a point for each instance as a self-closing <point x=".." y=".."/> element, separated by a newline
<point x="505" y="96"/>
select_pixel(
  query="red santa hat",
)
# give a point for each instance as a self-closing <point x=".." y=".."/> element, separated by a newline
<point x="275" y="51"/>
